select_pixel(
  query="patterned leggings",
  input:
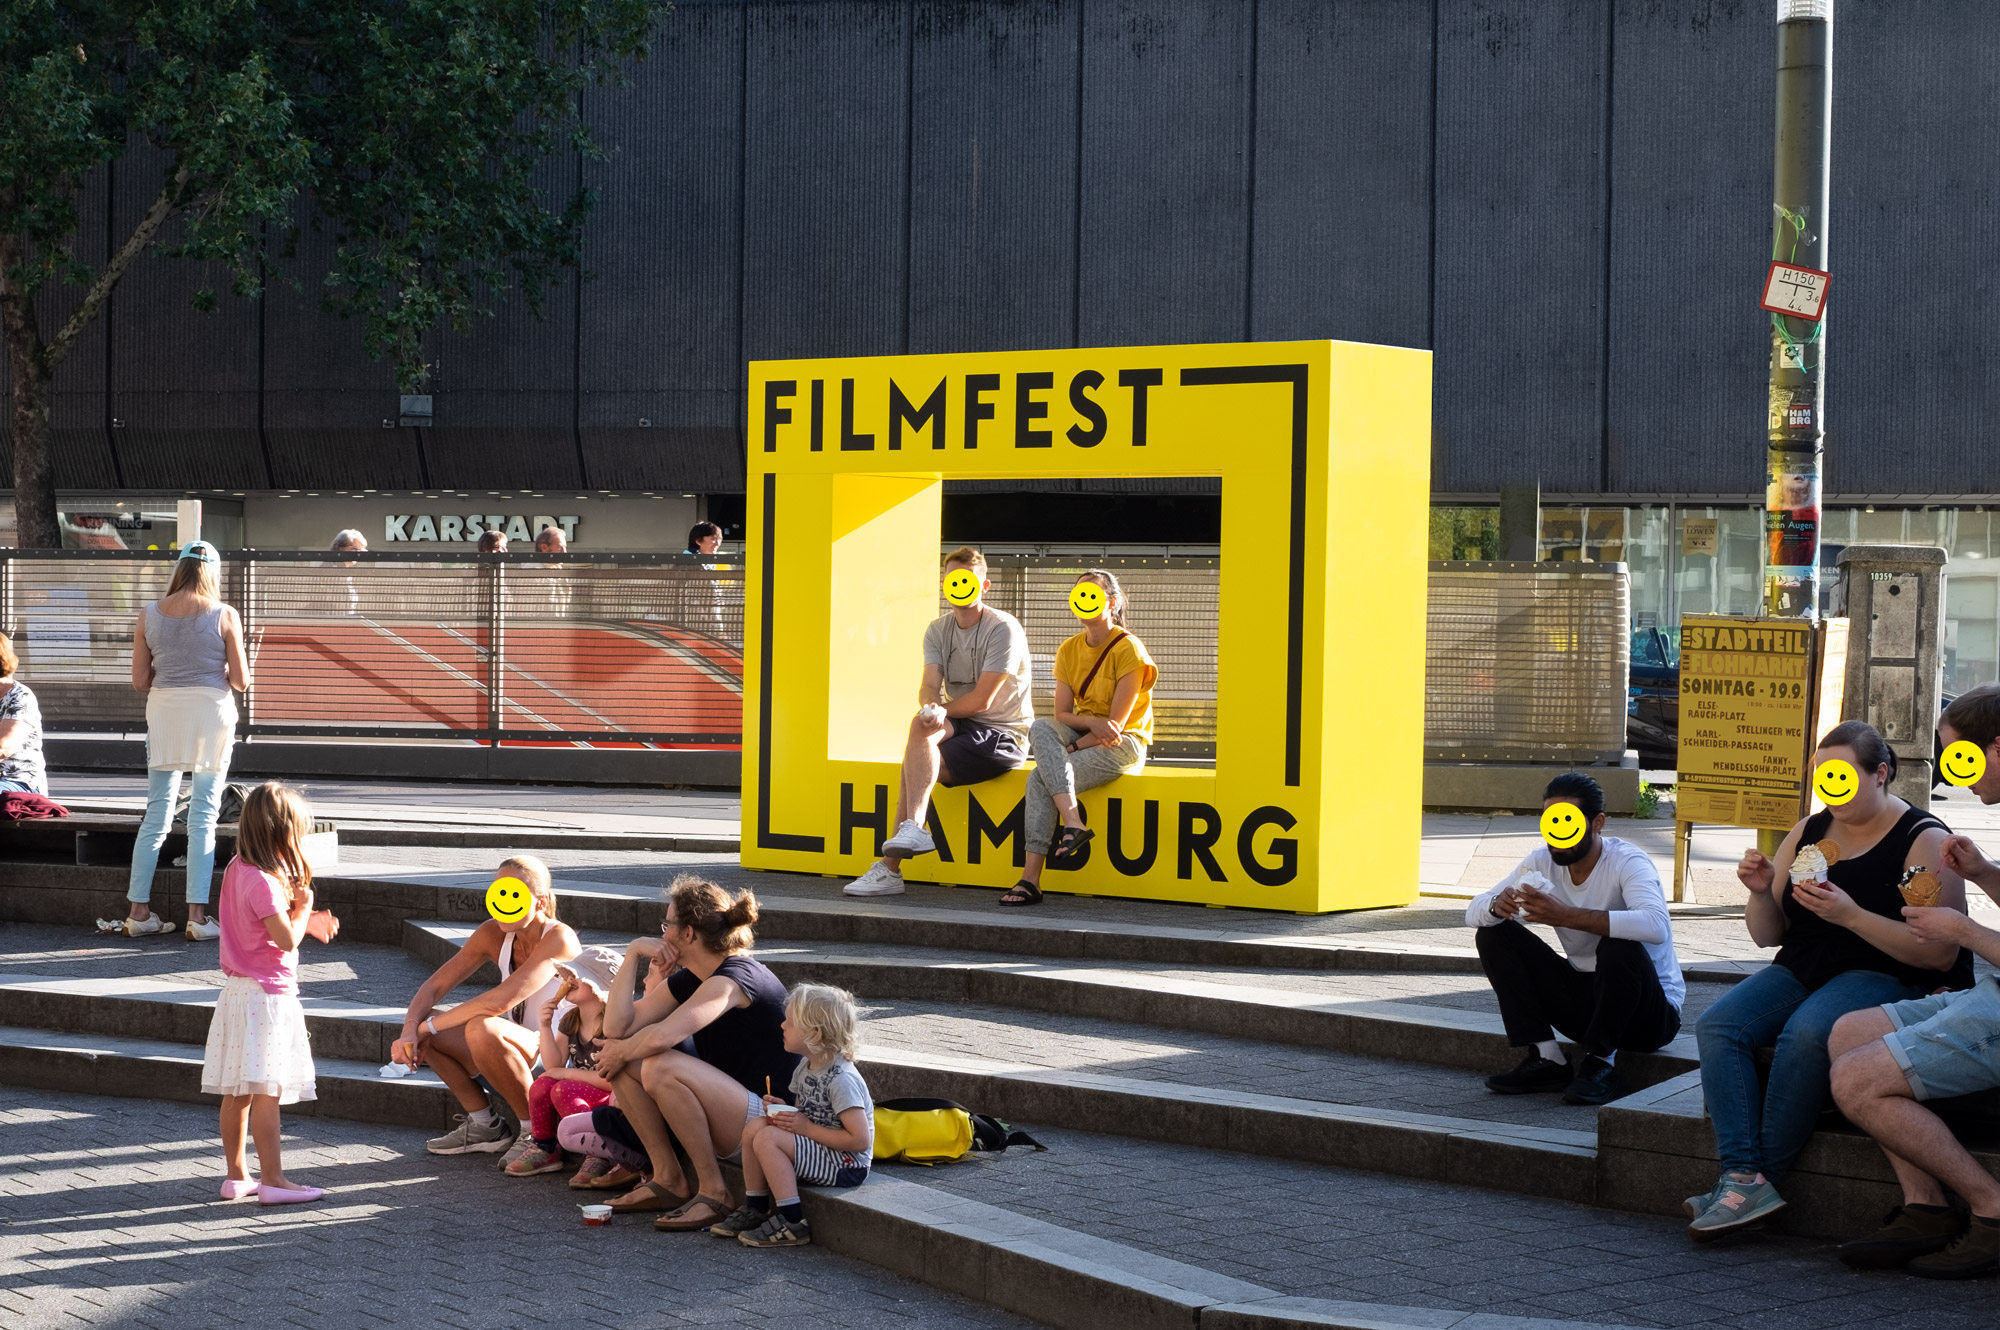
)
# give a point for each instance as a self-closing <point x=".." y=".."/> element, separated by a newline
<point x="550" y="1101"/>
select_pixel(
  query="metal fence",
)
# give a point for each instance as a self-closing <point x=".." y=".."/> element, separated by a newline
<point x="1172" y="606"/>
<point x="1527" y="661"/>
<point x="604" y="650"/>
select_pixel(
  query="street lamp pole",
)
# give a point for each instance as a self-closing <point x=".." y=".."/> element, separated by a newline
<point x="1800" y="197"/>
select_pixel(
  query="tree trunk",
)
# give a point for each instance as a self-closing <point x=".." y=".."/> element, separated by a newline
<point x="35" y="523"/>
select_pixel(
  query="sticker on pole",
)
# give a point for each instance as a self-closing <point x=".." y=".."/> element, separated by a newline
<point x="1795" y="291"/>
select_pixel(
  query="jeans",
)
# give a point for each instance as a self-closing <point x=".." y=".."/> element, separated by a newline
<point x="17" y="787"/>
<point x="1619" y="1005"/>
<point x="1059" y="772"/>
<point x="205" y="800"/>
<point x="1763" y="1129"/>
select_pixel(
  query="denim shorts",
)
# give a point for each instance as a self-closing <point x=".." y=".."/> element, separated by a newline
<point x="1948" y="1044"/>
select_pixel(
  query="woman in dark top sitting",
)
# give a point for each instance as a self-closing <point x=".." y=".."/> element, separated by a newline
<point x="1837" y="919"/>
<point x="693" y="1059"/>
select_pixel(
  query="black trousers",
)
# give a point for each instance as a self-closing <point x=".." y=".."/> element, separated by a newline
<point x="1618" y="1006"/>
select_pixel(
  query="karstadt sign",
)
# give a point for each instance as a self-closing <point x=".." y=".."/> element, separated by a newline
<point x="424" y="528"/>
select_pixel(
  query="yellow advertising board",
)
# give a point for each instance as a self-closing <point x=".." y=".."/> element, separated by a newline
<point x="1323" y="452"/>
<point x="1754" y="698"/>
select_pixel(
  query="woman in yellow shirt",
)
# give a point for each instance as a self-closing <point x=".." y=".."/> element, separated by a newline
<point x="1102" y="725"/>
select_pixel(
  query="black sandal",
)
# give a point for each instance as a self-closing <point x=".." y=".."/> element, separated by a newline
<point x="1022" y="893"/>
<point x="1069" y="842"/>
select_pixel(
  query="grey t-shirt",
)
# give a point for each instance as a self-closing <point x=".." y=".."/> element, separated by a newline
<point x="825" y="1094"/>
<point x="996" y="642"/>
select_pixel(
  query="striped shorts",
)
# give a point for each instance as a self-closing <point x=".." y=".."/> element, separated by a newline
<point x="820" y="1166"/>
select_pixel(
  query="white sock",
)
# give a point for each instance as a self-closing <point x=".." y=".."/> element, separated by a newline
<point x="1550" y="1050"/>
<point x="483" y="1118"/>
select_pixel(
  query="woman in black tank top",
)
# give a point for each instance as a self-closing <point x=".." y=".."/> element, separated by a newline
<point x="1843" y="946"/>
<point x="691" y="1060"/>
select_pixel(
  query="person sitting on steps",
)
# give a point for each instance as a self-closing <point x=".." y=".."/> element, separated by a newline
<point x="494" y="1034"/>
<point x="1837" y="921"/>
<point x="1617" y="985"/>
<point x="1102" y="725"/>
<point x="974" y="707"/>
<point x="1888" y="1061"/>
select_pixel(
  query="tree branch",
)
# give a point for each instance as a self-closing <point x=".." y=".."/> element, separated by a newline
<point x="100" y="290"/>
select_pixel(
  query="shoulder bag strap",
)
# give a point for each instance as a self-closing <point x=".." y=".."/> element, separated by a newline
<point x="1102" y="656"/>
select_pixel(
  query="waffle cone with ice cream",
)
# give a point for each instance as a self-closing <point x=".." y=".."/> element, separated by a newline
<point x="1922" y="888"/>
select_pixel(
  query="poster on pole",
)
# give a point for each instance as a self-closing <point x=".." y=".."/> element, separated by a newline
<point x="1752" y="708"/>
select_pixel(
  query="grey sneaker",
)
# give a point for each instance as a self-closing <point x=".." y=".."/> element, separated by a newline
<point x="777" y="1231"/>
<point x="877" y="881"/>
<point x="524" y="1144"/>
<point x="910" y="839"/>
<point x="742" y="1220"/>
<point x="1737" y="1205"/>
<point x="1695" y="1206"/>
<point x="468" y="1137"/>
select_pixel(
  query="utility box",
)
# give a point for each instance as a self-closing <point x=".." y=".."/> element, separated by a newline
<point x="1893" y="595"/>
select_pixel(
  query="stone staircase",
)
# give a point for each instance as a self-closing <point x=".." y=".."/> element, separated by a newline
<point x="1390" y="1012"/>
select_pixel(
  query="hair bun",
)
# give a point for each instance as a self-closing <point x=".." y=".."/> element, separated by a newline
<point x="743" y="911"/>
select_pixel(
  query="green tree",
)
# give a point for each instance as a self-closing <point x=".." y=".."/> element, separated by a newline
<point x="412" y="129"/>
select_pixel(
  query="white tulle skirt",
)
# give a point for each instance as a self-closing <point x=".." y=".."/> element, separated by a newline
<point x="257" y="1045"/>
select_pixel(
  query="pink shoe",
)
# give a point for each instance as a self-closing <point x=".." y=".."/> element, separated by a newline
<point x="233" y="1190"/>
<point x="287" y="1195"/>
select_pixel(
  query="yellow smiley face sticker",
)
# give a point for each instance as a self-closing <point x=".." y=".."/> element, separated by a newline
<point x="509" y="900"/>
<point x="1086" y="600"/>
<point x="1836" y="781"/>
<point x="1564" y="826"/>
<point x="961" y="586"/>
<point x="1963" y="763"/>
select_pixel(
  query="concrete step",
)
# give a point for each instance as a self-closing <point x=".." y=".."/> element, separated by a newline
<point x="1656" y="1146"/>
<point x="1398" y="1031"/>
<point x="373" y="901"/>
<point x="131" y="1068"/>
<point x="1535" y="1160"/>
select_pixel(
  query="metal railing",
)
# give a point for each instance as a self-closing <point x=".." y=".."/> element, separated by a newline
<point x="1527" y="661"/>
<point x="604" y="650"/>
<point x="598" y="649"/>
<point x="1173" y="607"/>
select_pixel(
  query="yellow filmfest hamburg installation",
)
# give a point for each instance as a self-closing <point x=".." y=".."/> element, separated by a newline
<point x="1314" y="801"/>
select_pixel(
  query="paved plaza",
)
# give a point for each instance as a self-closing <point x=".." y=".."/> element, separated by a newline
<point x="109" y="1217"/>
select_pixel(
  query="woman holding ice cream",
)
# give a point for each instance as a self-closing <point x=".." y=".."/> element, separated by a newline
<point x="1832" y="903"/>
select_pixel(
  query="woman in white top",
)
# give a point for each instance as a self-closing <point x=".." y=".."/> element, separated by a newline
<point x="187" y="653"/>
<point x="495" y="1034"/>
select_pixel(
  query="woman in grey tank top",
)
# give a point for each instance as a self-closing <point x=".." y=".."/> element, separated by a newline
<point x="187" y="653"/>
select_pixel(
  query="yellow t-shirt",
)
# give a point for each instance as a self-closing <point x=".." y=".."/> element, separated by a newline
<point x="1074" y="659"/>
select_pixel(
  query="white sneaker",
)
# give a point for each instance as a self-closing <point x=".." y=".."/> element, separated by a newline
<point x="880" y="880"/>
<point x="205" y="931"/>
<point x="911" y="839"/>
<point x="146" y="927"/>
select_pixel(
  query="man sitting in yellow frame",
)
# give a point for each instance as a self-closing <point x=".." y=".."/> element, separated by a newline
<point x="975" y="659"/>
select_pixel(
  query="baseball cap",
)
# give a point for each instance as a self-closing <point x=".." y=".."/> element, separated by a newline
<point x="200" y="549"/>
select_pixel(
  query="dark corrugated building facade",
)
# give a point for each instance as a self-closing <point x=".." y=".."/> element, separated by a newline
<point x="1567" y="200"/>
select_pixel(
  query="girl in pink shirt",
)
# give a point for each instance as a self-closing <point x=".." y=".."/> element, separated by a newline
<point x="257" y="1057"/>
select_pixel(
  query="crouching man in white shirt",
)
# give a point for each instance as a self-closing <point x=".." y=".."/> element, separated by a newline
<point x="1617" y="984"/>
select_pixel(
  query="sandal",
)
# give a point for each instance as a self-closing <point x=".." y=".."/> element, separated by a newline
<point x="1022" y="893"/>
<point x="656" y="1197"/>
<point x="683" y="1220"/>
<point x="1069" y="842"/>
<point x="618" y="1179"/>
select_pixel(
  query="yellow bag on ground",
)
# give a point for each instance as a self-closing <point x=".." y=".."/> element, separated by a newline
<point x="938" y="1131"/>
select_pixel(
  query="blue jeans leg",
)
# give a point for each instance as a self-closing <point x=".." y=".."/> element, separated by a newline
<point x="1801" y="1067"/>
<point x="1729" y="1034"/>
<point x="204" y="803"/>
<point x="162" y="788"/>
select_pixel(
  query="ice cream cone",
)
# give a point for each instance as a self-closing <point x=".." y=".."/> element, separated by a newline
<point x="1922" y="889"/>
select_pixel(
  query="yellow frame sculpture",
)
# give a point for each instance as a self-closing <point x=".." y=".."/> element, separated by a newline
<point x="1323" y="451"/>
